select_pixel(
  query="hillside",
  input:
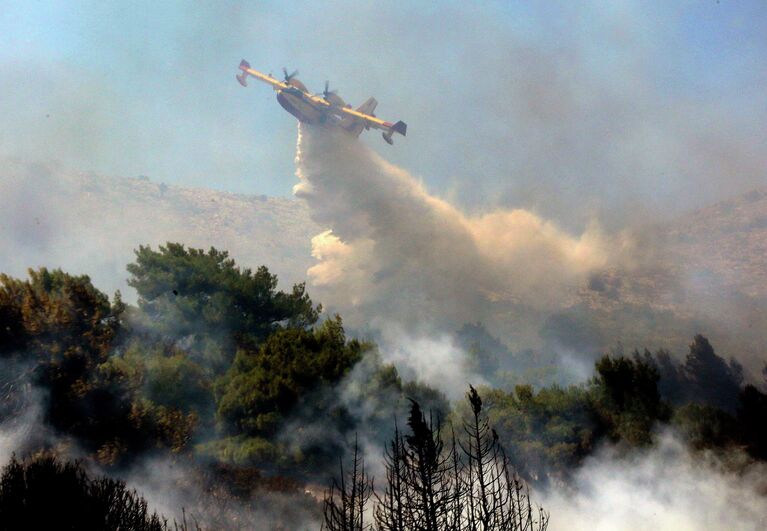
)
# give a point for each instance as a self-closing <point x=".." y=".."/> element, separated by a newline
<point x="704" y="272"/>
<point x="87" y="223"/>
<point x="726" y="244"/>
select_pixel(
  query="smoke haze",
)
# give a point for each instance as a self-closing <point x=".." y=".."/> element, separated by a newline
<point x="664" y="487"/>
<point x="626" y="111"/>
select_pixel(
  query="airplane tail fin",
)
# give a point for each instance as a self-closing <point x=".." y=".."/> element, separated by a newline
<point x="400" y="127"/>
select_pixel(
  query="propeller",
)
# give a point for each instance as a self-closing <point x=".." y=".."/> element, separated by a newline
<point x="327" y="92"/>
<point x="288" y="77"/>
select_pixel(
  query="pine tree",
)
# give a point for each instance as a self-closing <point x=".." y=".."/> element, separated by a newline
<point x="392" y="511"/>
<point x="469" y="485"/>
<point x="496" y="498"/>
<point x="346" y="502"/>
<point x="429" y="478"/>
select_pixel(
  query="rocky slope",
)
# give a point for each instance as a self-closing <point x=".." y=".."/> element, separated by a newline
<point x="91" y="224"/>
<point x="704" y="272"/>
<point x="726" y="243"/>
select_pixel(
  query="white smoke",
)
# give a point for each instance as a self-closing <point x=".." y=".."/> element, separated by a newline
<point x="174" y="488"/>
<point x="436" y="361"/>
<point x="393" y="253"/>
<point x="663" y="488"/>
<point x="22" y="425"/>
<point x="18" y="431"/>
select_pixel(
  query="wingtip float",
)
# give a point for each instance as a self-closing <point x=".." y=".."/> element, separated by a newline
<point x="324" y="108"/>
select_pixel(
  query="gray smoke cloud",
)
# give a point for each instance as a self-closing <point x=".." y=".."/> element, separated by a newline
<point x="401" y="260"/>
<point x="173" y="488"/>
<point x="393" y="253"/>
<point x="664" y="487"/>
<point x="21" y="424"/>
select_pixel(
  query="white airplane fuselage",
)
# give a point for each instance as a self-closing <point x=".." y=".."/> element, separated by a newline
<point x="292" y="100"/>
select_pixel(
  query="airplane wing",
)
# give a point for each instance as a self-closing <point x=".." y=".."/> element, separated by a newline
<point x="376" y="123"/>
<point x="248" y="71"/>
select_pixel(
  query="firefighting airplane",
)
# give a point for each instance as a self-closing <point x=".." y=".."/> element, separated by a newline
<point x="325" y="108"/>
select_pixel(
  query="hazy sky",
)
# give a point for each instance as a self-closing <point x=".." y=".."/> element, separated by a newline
<point x="616" y="109"/>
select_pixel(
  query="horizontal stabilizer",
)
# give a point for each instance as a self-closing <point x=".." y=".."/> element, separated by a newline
<point x="242" y="77"/>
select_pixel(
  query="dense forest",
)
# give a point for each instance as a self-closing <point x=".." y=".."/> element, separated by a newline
<point x="259" y="395"/>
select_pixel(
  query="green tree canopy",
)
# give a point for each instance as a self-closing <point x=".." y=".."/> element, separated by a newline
<point x="63" y="326"/>
<point x="57" y="315"/>
<point x="263" y="385"/>
<point x="64" y="329"/>
<point x="711" y="379"/>
<point x="187" y="292"/>
<point x="547" y="432"/>
<point x="627" y="397"/>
